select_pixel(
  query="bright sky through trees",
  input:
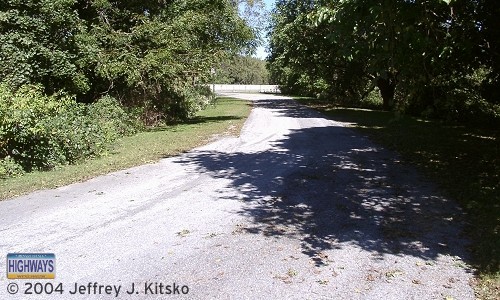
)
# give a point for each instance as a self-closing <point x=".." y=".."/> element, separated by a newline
<point x="261" y="50"/>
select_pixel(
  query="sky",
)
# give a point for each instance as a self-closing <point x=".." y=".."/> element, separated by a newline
<point x="261" y="51"/>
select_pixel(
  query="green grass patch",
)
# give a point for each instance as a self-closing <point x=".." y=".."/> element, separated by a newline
<point x="463" y="160"/>
<point x="227" y="117"/>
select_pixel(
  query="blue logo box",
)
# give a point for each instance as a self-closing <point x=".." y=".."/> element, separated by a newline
<point x="31" y="266"/>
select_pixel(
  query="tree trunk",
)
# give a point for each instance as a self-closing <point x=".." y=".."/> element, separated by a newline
<point x="387" y="87"/>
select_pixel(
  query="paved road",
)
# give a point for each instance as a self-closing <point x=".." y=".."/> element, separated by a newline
<point x="298" y="207"/>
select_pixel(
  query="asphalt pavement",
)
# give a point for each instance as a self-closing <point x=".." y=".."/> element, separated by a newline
<point x="297" y="207"/>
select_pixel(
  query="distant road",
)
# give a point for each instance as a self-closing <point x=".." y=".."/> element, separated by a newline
<point x="245" y="88"/>
<point x="297" y="207"/>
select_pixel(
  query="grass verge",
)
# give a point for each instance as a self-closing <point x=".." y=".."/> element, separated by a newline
<point x="227" y="117"/>
<point x="464" y="161"/>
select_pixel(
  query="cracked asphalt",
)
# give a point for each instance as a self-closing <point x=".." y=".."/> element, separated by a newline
<point x="296" y="207"/>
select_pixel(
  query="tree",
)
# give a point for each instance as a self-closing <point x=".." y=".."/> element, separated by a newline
<point x="429" y="57"/>
<point x="38" y="45"/>
<point x="242" y="70"/>
<point x="488" y="12"/>
<point x="150" y="54"/>
<point x="165" y="48"/>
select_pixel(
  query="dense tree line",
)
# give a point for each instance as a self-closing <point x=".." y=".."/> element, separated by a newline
<point x="141" y="52"/>
<point x="77" y="74"/>
<point x="439" y="58"/>
<point x="241" y="69"/>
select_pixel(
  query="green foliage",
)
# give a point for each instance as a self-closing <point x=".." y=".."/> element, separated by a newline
<point x="9" y="168"/>
<point x="135" y="51"/>
<point x="242" y="70"/>
<point x="41" y="132"/>
<point x="154" y="56"/>
<point x="372" y="100"/>
<point x="434" y="58"/>
<point x="37" y="44"/>
<point x="112" y="118"/>
<point x="144" y="147"/>
<point x="185" y="102"/>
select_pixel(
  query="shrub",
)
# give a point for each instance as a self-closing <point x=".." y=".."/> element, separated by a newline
<point x="116" y="122"/>
<point x="175" y="103"/>
<point x="195" y="99"/>
<point x="373" y="100"/>
<point x="39" y="132"/>
<point x="9" y="168"/>
<point x="25" y="136"/>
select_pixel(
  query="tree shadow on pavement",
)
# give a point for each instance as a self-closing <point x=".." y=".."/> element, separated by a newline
<point x="329" y="188"/>
<point x="289" y="108"/>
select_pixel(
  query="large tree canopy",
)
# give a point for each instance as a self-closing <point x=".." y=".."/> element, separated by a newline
<point x="151" y="53"/>
<point x="435" y="57"/>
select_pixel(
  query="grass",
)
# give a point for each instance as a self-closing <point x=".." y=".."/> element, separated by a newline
<point x="463" y="160"/>
<point x="227" y="117"/>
